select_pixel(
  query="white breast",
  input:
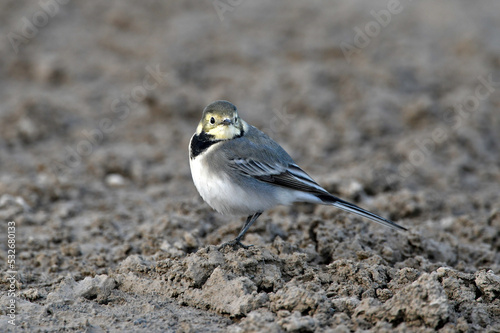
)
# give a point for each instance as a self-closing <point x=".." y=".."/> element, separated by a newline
<point x="224" y="195"/>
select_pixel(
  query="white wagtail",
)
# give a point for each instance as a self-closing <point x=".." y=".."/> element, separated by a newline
<point x="239" y="170"/>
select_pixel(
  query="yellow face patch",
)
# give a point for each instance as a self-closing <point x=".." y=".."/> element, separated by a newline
<point x="224" y="132"/>
<point x="221" y="125"/>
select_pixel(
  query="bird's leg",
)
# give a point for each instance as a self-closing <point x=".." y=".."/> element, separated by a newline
<point x="250" y="220"/>
<point x="237" y="241"/>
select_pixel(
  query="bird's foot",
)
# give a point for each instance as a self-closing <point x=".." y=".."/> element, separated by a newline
<point x="235" y="243"/>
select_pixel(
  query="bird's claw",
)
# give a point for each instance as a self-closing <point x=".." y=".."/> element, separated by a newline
<point x="235" y="243"/>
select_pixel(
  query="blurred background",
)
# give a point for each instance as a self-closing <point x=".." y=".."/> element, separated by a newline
<point x="342" y="86"/>
<point x="393" y="105"/>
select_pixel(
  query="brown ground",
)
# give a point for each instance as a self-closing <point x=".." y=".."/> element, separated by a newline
<point x="111" y="234"/>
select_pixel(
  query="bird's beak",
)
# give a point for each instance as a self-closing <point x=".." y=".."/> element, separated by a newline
<point x="227" y="121"/>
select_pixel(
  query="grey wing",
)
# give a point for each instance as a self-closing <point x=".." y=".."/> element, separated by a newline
<point x="288" y="175"/>
<point x="292" y="177"/>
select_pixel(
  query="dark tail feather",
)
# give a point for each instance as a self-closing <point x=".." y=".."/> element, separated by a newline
<point x="349" y="207"/>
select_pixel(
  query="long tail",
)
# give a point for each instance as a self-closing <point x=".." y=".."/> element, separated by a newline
<point x="352" y="208"/>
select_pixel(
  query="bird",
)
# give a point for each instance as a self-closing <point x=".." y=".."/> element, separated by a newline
<point x="239" y="170"/>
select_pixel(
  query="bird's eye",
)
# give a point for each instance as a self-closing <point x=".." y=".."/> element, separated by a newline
<point x="212" y="120"/>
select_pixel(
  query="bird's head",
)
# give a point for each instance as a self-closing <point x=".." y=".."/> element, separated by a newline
<point x="220" y="121"/>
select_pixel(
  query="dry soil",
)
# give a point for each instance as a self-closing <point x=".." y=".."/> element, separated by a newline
<point x="391" y="105"/>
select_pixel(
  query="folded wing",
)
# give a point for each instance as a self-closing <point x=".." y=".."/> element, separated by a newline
<point x="291" y="176"/>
